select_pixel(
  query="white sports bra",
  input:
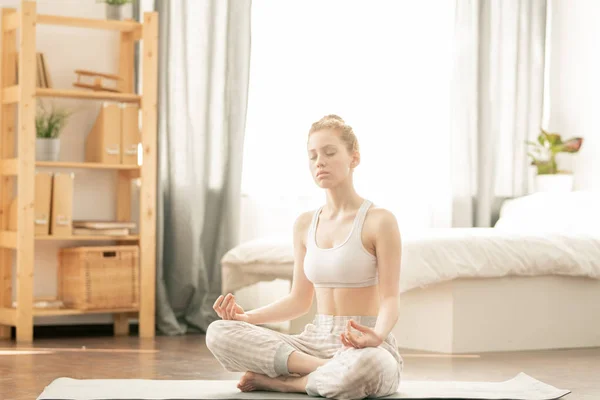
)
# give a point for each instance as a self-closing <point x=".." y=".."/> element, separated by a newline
<point x="346" y="265"/>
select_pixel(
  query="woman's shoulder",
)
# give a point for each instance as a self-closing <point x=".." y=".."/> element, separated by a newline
<point x="302" y="225"/>
<point x="303" y="220"/>
<point x="380" y="217"/>
<point x="380" y="213"/>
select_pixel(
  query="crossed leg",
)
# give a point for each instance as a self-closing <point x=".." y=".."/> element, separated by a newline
<point x="298" y="363"/>
<point x="280" y="363"/>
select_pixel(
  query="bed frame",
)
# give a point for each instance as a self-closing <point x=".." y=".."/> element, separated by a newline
<point x="501" y="314"/>
<point x="513" y="313"/>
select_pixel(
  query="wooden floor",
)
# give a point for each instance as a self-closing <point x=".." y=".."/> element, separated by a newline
<point x="26" y="370"/>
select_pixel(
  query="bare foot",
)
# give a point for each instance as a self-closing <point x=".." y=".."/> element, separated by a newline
<point x="253" y="381"/>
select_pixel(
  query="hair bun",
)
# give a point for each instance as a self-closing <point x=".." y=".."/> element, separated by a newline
<point x="334" y="116"/>
<point x="334" y="121"/>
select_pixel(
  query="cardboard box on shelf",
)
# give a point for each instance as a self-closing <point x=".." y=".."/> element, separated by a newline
<point x="42" y="205"/>
<point x="103" y="143"/>
<point x="130" y="133"/>
<point x="62" y="204"/>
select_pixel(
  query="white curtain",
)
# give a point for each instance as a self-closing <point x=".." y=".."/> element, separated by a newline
<point x="204" y="59"/>
<point x="385" y="67"/>
<point x="498" y="97"/>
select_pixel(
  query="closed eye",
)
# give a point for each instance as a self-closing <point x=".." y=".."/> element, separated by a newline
<point x="327" y="154"/>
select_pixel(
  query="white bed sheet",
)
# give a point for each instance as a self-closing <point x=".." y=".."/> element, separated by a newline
<point x="437" y="255"/>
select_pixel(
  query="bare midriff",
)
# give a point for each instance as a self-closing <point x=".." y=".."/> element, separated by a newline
<point x="348" y="301"/>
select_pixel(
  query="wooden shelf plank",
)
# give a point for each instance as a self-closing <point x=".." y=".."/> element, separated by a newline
<point x="87" y="237"/>
<point x="8" y="239"/>
<point x="89" y="23"/>
<point x="8" y="316"/>
<point x="43" y="312"/>
<point x="11" y="95"/>
<point x="89" y="95"/>
<point x="85" y="165"/>
<point x="8" y="167"/>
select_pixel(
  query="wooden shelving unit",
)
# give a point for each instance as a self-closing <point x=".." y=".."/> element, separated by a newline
<point x="18" y="103"/>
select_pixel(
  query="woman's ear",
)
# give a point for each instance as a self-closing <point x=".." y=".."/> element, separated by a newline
<point x="355" y="160"/>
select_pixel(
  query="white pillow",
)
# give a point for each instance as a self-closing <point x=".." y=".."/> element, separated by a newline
<point x="259" y="260"/>
<point x="264" y="250"/>
<point x="577" y="211"/>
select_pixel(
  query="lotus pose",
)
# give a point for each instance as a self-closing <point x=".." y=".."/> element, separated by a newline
<point x="346" y="255"/>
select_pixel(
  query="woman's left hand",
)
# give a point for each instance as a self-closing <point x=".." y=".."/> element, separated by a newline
<point x="366" y="336"/>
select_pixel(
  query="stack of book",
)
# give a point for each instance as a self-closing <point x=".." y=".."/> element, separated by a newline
<point x="102" y="228"/>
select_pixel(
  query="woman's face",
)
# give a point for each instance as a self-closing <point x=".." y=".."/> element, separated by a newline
<point x="328" y="158"/>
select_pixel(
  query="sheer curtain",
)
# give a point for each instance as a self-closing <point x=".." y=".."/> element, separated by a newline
<point x="498" y="105"/>
<point x="383" y="66"/>
<point x="204" y="59"/>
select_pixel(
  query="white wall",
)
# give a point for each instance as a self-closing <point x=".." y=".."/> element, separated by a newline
<point x="65" y="50"/>
<point x="574" y="82"/>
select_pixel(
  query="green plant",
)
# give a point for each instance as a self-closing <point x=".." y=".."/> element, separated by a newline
<point x="49" y="123"/>
<point x="543" y="153"/>
<point x="115" y="2"/>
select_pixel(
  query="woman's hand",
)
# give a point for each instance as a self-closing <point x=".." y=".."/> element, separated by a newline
<point x="228" y="309"/>
<point x="366" y="336"/>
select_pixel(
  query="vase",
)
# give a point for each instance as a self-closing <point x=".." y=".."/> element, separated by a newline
<point x="47" y="149"/>
<point x="554" y="183"/>
<point x="113" y="12"/>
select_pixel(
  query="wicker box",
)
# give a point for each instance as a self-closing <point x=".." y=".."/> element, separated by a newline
<point x="99" y="277"/>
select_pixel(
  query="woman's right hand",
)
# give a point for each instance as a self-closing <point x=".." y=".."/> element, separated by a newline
<point x="228" y="309"/>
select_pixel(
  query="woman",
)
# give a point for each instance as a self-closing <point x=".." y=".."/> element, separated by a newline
<point x="347" y="253"/>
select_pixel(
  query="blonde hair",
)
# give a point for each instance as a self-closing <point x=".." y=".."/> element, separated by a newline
<point x="333" y="121"/>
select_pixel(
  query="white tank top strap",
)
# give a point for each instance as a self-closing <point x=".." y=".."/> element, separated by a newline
<point x="311" y="231"/>
<point x="360" y="218"/>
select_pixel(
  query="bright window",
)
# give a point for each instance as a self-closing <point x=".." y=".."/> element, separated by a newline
<point x="383" y="66"/>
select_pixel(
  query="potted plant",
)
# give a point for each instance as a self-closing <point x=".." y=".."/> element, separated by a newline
<point x="48" y="127"/>
<point x="114" y="8"/>
<point x="543" y="156"/>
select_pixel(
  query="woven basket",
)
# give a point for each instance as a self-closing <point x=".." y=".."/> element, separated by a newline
<point x="94" y="277"/>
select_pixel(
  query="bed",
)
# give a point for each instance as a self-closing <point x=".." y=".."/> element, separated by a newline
<point x="530" y="282"/>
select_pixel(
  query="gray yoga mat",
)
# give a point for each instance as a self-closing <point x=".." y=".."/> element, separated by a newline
<point x="521" y="387"/>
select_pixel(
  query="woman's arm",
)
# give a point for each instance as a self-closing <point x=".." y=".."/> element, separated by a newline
<point x="300" y="298"/>
<point x="388" y="247"/>
<point x="284" y="309"/>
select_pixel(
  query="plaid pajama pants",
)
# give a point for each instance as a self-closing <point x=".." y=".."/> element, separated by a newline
<point x="350" y="374"/>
